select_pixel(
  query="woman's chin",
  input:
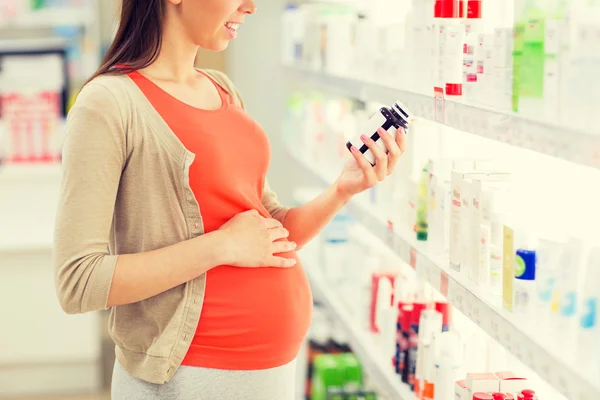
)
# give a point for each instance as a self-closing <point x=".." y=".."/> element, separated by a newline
<point x="216" y="45"/>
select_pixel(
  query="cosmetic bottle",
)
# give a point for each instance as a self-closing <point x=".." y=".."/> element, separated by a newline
<point x="411" y="362"/>
<point x="430" y="324"/>
<point x="525" y="267"/>
<point x="548" y="252"/>
<point x="527" y="395"/>
<point x="447" y="365"/>
<point x="589" y="332"/>
<point x="568" y="288"/>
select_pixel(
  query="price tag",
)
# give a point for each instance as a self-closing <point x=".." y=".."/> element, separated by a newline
<point x="456" y="294"/>
<point x="433" y="274"/>
<point x="517" y="349"/>
<point x="495" y="329"/>
<point x="413" y="258"/>
<point x="506" y="339"/>
<point x="439" y="105"/>
<point x="542" y="364"/>
<point x="562" y="385"/>
<point x="468" y="305"/>
<point x="391" y="236"/>
<point x="444" y="283"/>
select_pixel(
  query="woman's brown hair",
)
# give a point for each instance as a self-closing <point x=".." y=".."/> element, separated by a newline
<point x="138" y="39"/>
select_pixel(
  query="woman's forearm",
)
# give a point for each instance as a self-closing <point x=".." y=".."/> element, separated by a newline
<point x="306" y="221"/>
<point x="164" y="268"/>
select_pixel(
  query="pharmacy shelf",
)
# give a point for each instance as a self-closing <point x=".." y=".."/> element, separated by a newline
<point x="380" y="373"/>
<point x="513" y="331"/>
<point x="25" y="173"/>
<point x="506" y="127"/>
<point x="27" y="205"/>
<point x="49" y="18"/>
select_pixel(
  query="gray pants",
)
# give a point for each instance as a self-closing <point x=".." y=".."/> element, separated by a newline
<point x="192" y="383"/>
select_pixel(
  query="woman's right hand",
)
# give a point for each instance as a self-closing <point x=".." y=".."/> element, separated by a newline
<point x="253" y="241"/>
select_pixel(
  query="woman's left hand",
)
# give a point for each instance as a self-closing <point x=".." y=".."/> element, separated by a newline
<point x="360" y="175"/>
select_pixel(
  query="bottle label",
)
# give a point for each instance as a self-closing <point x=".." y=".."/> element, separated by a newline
<point x="568" y="304"/>
<point x="589" y="312"/>
<point x="520" y="266"/>
<point x="545" y="289"/>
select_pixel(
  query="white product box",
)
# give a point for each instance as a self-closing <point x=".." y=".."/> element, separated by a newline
<point x="457" y="214"/>
<point x="512" y="383"/>
<point x="481" y="208"/>
<point x="484" y="382"/>
<point x="461" y="392"/>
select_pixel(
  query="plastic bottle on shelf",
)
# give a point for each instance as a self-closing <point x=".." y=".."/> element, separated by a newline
<point x="473" y="26"/>
<point x="582" y="59"/>
<point x="423" y="202"/>
<point x="527" y="395"/>
<point x="589" y="331"/>
<point x="448" y="43"/>
<point x="568" y="291"/>
<point x="447" y="365"/>
<point x="548" y="252"/>
<point x="430" y="324"/>
<point x="531" y="76"/>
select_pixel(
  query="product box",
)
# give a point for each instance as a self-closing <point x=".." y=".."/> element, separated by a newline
<point x="481" y="206"/>
<point x="457" y="214"/>
<point x="461" y="391"/>
<point x="484" y="382"/>
<point x="511" y="383"/>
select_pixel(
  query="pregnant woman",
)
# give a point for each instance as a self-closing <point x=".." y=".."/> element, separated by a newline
<point x="166" y="218"/>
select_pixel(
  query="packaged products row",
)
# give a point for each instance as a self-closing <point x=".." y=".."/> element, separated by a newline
<point x="539" y="58"/>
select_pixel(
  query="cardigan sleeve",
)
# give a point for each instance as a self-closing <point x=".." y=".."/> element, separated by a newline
<point x="94" y="153"/>
<point x="269" y="200"/>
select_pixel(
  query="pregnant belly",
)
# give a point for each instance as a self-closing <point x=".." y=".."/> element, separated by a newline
<point x="252" y="318"/>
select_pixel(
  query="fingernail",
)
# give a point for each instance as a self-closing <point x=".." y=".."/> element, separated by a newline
<point x="293" y="244"/>
<point x="293" y="261"/>
<point x="353" y="149"/>
<point x="364" y="138"/>
<point x="381" y="131"/>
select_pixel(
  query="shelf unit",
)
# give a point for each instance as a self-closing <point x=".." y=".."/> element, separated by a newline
<point x="50" y="17"/>
<point x="512" y="331"/>
<point x="506" y="127"/>
<point x="29" y="200"/>
<point x="382" y="375"/>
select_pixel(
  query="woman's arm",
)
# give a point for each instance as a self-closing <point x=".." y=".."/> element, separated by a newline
<point x="165" y="268"/>
<point x="87" y="277"/>
<point x="306" y="221"/>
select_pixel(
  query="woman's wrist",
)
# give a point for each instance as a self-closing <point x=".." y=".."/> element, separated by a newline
<point x="214" y="249"/>
<point x="340" y="194"/>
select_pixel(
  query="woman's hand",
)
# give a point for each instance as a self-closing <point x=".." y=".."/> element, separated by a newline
<point x="359" y="174"/>
<point x="252" y="241"/>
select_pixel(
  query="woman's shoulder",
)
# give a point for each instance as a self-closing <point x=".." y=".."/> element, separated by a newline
<point x="104" y="90"/>
<point x="223" y="80"/>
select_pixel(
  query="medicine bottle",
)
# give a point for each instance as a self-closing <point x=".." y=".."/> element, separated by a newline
<point x="383" y="118"/>
<point x="402" y="113"/>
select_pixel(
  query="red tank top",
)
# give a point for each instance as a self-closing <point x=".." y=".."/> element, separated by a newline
<point x="252" y="318"/>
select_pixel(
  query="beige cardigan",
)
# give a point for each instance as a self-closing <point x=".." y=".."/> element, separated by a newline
<point x="125" y="189"/>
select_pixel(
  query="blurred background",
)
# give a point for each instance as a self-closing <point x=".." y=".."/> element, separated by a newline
<point x="310" y="80"/>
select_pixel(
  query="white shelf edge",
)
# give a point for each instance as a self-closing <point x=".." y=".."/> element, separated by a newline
<point x="461" y="293"/>
<point x="384" y="378"/>
<point x="505" y="127"/>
